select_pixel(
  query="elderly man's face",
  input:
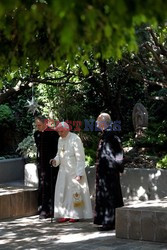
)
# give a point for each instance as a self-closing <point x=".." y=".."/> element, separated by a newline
<point x="101" y="123"/>
<point x="62" y="132"/>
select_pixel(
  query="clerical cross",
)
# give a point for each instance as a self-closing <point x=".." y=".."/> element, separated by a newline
<point x="63" y="149"/>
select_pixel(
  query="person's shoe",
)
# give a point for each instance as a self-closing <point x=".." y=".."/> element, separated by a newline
<point x="44" y="215"/>
<point x="73" y="220"/>
<point x="61" y="220"/>
<point x="106" y="228"/>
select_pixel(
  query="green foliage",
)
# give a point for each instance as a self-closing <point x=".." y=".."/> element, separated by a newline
<point x="90" y="157"/>
<point x="43" y="33"/>
<point x="155" y="135"/>
<point x="1" y="84"/>
<point x="162" y="163"/>
<point x="90" y="140"/>
<point x="154" y="139"/>
<point x="27" y="147"/>
<point x="62" y="102"/>
<point x="22" y="119"/>
<point x="128" y="140"/>
<point x="5" y="113"/>
<point x="162" y="92"/>
<point x="113" y="86"/>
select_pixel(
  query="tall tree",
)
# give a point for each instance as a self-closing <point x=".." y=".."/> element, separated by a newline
<point x="38" y="33"/>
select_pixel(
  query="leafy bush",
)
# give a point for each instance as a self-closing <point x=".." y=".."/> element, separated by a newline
<point x="128" y="140"/>
<point x="155" y="139"/>
<point x="27" y="147"/>
<point x="155" y="135"/>
<point x="162" y="163"/>
<point x="90" y="157"/>
<point x="5" y="113"/>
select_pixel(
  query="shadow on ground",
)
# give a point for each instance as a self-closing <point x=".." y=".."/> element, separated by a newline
<point x="32" y="233"/>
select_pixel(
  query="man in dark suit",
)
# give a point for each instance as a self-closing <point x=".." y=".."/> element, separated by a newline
<point x="46" y="140"/>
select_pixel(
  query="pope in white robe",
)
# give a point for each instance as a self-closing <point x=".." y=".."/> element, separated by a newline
<point x="72" y="198"/>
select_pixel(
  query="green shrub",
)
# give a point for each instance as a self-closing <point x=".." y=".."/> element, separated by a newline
<point x="154" y="137"/>
<point x="90" y="157"/>
<point x="162" y="163"/>
<point x="5" y="113"/>
<point x="27" y="147"/>
<point x="129" y="140"/>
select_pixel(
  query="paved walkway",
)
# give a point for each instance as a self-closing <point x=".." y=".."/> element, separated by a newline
<point x="32" y="233"/>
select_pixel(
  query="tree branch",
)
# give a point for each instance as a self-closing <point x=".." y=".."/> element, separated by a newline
<point x="157" y="59"/>
<point x="155" y="39"/>
<point x="19" y="88"/>
<point x="163" y="85"/>
<point x="26" y="83"/>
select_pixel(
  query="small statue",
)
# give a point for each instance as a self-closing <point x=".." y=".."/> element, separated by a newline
<point x="140" y="119"/>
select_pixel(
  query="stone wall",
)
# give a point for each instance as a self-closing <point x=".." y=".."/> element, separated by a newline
<point x="11" y="170"/>
<point x="144" y="184"/>
<point x="137" y="184"/>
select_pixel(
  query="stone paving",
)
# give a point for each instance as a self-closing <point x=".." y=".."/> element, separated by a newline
<point x="32" y="233"/>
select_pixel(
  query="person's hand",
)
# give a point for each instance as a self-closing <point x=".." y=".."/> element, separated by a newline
<point x="78" y="178"/>
<point x="52" y="162"/>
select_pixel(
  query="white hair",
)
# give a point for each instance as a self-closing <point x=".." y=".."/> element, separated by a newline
<point x="63" y="125"/>
<point x="106" y="117"/>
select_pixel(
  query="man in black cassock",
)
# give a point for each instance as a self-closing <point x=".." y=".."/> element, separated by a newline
<point x="108" y="169"/>
<point x="46" y="140"/>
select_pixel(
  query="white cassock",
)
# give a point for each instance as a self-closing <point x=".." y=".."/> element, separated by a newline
<point x="72" y="198"/>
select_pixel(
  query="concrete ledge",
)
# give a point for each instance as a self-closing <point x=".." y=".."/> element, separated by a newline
<point x="17" y="202"/>
<point x="144" y="184"/>
<point x="137" y="184"/>
<point x="11" y="170"/>
<point x="143" y="221"/>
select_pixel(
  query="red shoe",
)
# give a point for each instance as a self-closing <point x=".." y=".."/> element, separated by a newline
<point x="61" y="220"/>
<point x="73" y="220"/>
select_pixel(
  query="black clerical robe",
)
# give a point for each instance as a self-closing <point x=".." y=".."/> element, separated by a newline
<point x="46" y="143"/>
<point x="108" y="189"/>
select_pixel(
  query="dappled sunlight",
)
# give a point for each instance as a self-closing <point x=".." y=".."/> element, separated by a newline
<point x="141" y="192"/>
<point x="4" y="190"/>
<point x="12" y="188"/>
<point x="155" y="175"/>
<point x="30" y="232"/>
<point x="143" y="184"/>
<point x="76" y="237"/>
<point x="157" y="204"/>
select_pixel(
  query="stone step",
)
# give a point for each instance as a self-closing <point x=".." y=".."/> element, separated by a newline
<point x="143" y="221"/>
<point x="16" y="200"/>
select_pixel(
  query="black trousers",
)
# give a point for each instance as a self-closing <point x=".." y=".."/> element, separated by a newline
<point x="46" y="189"/>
